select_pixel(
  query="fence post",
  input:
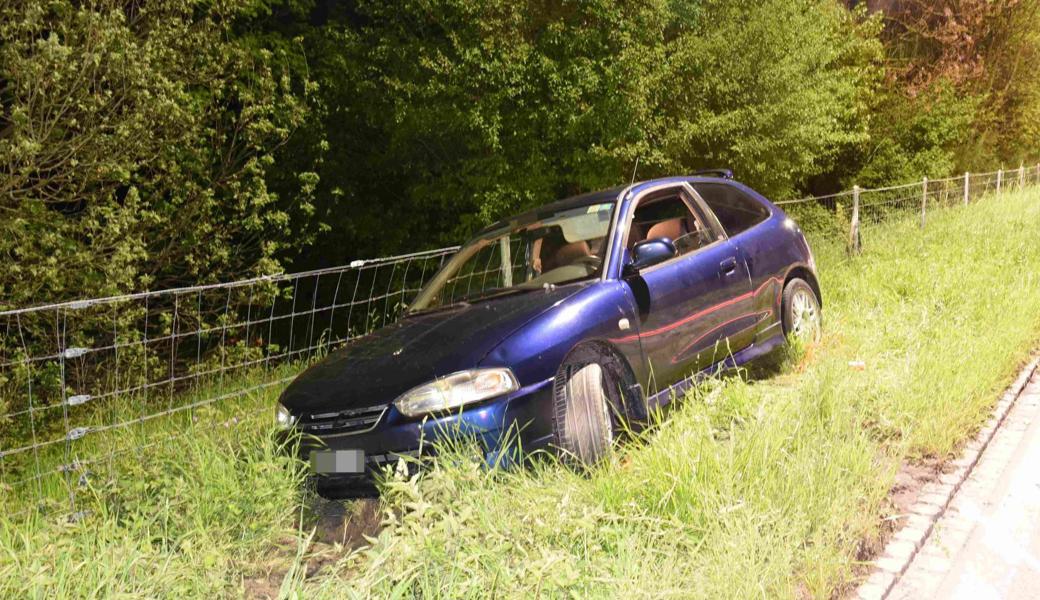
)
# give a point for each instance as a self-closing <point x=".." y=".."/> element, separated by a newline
<point x="854" y="242"/>
<point x="71" y="434"/>
<point x="1021" y="175"/>
<point x="967" y="183"/>
<point x="924" y="199"/>
<point x="1000" y="179"/>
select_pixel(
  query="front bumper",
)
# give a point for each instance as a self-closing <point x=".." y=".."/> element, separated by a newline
<point x="505" y="428"/>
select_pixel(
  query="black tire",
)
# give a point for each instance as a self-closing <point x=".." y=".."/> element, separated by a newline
<point x="800" y="311"/>
<point x="583" y="427"/>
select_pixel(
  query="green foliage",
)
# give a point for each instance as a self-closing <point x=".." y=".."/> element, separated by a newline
<point x="819" y="222"/>
<point x="145" y="147"/>
<point x="914" y="137"/>
<point x="154" y="527"/>
<point x="134" y="147"/>
<point x="961" y="89"/>
<point x="775" y="90"/>
<point x="437" y="117"/>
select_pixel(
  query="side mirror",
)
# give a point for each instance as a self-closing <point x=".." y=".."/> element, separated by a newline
<point x="650" y="252"/>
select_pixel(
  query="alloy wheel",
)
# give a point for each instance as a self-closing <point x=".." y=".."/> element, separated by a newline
<point x="805" y="316"/>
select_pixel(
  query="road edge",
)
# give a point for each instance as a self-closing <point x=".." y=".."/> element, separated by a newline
<point x="935" y="497"/>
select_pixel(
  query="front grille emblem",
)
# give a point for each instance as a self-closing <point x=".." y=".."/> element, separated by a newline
<point x="356" y="420"/>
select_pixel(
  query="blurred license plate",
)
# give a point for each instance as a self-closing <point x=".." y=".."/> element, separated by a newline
<point x="338" y="461"/>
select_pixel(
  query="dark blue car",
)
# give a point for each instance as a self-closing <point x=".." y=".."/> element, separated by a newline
<point x="558" y="327"/>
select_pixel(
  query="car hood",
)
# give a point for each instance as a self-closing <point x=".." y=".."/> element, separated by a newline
<point x="377" y="368"/>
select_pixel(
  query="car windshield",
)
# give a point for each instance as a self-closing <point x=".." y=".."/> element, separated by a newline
<point x="550" y="248"/>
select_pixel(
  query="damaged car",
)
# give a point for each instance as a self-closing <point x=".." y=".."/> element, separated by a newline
<point x="558" y="328"/>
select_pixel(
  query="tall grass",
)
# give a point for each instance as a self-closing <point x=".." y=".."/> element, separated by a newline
<point x="752" y="487"/>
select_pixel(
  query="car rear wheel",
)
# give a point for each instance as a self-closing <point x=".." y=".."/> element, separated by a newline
<point x="583" y="428"/>
<point x="801" y="313"/>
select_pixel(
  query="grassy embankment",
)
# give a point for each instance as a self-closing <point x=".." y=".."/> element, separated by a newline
<point x="749" y="489"/>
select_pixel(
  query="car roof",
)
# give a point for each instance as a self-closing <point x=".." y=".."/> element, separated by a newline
<point x="597" y="197"/>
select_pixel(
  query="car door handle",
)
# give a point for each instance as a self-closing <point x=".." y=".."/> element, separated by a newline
<point x="728" y="266"/>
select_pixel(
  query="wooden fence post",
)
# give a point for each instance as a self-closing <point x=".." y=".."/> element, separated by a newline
<point x="924" y="199"/>
<point x="854" y="241"/>
<point x="967" y="183"/>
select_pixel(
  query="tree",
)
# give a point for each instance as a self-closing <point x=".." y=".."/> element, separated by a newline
<point x="134" y="144"/>
<point x="439" y="116"/>
<point x="775" y="89"/>
<point x="972" y="61"/>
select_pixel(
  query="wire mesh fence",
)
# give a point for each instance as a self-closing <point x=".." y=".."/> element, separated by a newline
<point x="850" y="214"/>
<point x="78" y="379"/>
<point x="85" y="384"/>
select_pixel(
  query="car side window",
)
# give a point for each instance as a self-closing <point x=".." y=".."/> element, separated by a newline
<point x="669" y="216"/>
<point x="734" y="209"/>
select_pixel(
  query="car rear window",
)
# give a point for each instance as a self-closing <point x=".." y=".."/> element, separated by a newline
<point x="735" y="210"/>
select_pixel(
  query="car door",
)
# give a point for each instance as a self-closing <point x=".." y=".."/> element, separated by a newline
<point x="739" y="212"/>
<point x="692" y="304"/>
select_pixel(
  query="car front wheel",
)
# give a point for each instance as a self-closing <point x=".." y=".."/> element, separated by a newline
<point x="801" y="314"/>
<point x="582" y="425"/>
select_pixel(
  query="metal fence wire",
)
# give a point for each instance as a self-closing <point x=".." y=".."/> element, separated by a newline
<point x="84" y="384"/>
<point x="851" y="213"/>
<point x="79" y="379"/>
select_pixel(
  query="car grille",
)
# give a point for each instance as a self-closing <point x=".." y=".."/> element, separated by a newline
<point x="355" y="420"/>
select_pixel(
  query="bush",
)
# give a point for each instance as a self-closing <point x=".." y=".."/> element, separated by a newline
<point x="820" y="222"/>
<point x="442" y="116"/>
<point x="134" y="145"/>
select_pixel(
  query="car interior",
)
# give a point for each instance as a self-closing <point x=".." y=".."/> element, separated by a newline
<point x="571" y="249"/>
<point x="661" y="216"/>
<point x="735" y="211"/>
<point x="555" y="259"/>
<point x="669" y="216"/>
<point x="553" y="251"/>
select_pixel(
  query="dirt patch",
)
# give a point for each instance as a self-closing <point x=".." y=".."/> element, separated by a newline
<point x="909" y="481"/>
<point x="339" y="529"/>
<point x="267" y="580"/>
<point x="907" y="487"/>
<point x="261" y="588"/>
<point x="347" y="523"/>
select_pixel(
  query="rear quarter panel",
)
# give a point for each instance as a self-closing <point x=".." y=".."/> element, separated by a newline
<point x="772" y="249"/>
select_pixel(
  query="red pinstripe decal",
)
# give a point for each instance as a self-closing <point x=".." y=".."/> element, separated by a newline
<point x="696" y="315"/>
<point x="675" y="359"/>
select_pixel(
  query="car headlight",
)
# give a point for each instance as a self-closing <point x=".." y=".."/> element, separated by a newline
<point x="457" y="389"/>
<point x="283" y="418"/>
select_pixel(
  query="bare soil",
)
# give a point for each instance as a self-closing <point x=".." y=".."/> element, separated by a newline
<point x="339" y="529"/>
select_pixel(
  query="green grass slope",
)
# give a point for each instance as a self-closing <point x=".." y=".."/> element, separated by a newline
<point x="752" y="487"/>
